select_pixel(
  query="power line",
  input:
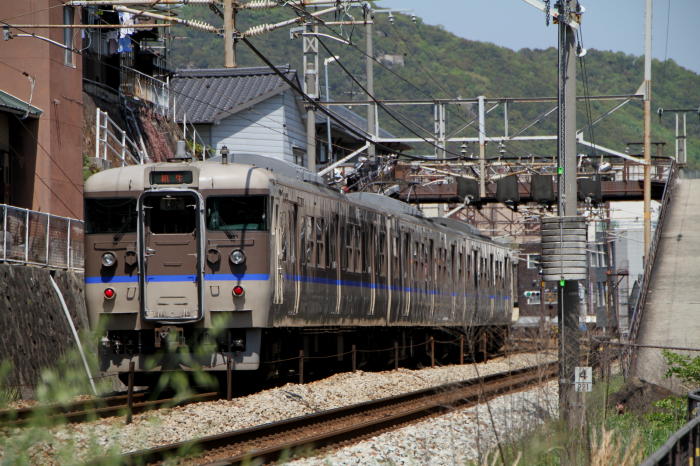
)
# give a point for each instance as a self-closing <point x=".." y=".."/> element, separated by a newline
<point x="302" y="11"/>
<point x="384" y="107"/>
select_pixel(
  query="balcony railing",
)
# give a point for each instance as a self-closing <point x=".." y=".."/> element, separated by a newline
<point x="137" y="84"/>
<point x="37" y="238"/>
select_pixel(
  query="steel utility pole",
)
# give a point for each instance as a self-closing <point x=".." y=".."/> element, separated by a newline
<point x="569" y="406"/>
<point x="229" y="28"/>
<point x="647" y="129"/>
<point x="369" y="65"/>
<point x="311" y="88"/>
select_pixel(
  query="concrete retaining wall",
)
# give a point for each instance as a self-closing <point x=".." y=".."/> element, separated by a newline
<point x="34" y="332"/>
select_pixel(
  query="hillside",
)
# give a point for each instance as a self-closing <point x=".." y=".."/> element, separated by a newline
<point x="441" y="65"/>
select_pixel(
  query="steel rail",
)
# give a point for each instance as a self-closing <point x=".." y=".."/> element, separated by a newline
<point x="268" y="442"/>
<point x="82" y="410"/>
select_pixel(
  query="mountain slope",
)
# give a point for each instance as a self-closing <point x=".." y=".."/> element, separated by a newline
<point x="440" y="64"/>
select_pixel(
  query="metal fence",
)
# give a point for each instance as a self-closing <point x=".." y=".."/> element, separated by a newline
<point x="38" y="238"/>
<point x="683" y="447"/>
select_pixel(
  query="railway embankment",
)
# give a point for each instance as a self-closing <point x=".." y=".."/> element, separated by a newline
<point x="34" y="330"/>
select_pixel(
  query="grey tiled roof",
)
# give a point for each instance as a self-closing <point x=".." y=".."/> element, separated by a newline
<point x="208" y="95"/>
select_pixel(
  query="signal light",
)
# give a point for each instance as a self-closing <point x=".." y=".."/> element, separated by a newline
<point x="110" y="293"/>
<point x="238" y="290"/>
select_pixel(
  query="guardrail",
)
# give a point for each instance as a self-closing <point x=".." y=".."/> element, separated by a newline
<point x="113" y="145"/>
<point x="196" y="145"/>
<point x="683" y="447"/>
<point x="628" y="358"/>
<point x="38" y="238"/>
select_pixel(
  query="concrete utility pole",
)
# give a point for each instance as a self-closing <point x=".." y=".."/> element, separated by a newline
<point x="311" y="88"/>
<point x="569" y="405"/>
<point x="482" y="147"/>
<point x="369" y="66"/>
<point x="229" y="28"/>
<point x="647" y="129"/>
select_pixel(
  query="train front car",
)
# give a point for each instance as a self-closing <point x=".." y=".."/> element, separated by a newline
<point x="176" y="264"/>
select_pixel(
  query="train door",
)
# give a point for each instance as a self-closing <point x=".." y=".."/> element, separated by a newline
<point x="279" y="240"/>
<point x="171" y="253"/>
<point x="337" y="248"/>
<point x="407" y="269"/>
<point x="288" y="255"/>
<point x="370" y="256"/>
<point x="297" y="228"/>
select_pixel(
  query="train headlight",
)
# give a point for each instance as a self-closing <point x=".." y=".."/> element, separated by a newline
<point x="109" y="259"/>
<point x="238" y="290"/>
<point x="110" y="293"/>
<point x="237" y="257"/>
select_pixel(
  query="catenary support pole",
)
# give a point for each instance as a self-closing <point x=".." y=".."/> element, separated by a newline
<point x="310" y="44"/>
<point x="369" y="65"/>
<point x="482" y="147"/>
<point x="569" y="406"/>
<point x="647" y="129"/>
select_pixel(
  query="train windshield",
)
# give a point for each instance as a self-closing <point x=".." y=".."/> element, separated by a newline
<point x="170" y="213"/>
<point x="110" y="216"/>
<point x="227" y="213"/>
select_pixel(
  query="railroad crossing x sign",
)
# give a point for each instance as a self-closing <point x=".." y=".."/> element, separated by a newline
<point x="583" y="379"/>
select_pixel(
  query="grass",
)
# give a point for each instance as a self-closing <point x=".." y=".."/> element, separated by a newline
<point x="604" y="438"/>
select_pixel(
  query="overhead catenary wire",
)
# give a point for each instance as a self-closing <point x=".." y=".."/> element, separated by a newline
<point x="319" y="107"/>
<point x="301" y="10"/>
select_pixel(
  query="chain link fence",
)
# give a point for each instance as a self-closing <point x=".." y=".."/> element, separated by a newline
<point x="38" y="238"/>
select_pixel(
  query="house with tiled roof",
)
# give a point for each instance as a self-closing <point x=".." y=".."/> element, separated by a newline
<point x="254" y="110"/>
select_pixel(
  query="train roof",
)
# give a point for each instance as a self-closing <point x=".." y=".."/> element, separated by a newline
<point x="384" y="203"/>
<point x="458" y="225"/>
<point x="213" y="174"/>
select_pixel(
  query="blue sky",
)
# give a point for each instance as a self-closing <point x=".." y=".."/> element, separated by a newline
<point x="616" y="25"/>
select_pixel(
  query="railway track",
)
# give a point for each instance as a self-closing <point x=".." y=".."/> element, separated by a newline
<point x="283" y="439"/>
<point x="92" y="408"/>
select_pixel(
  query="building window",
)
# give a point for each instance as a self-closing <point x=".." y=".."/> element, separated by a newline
<point x="299" y="155"/>
<point x="68" y="36"/>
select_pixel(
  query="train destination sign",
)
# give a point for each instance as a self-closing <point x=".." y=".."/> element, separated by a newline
<point x="171" y="177"/>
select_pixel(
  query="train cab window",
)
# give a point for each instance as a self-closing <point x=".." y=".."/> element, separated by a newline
<point x="171" y="214"/>
<point x="110" y="216"/>
<point x="228" y="213"/>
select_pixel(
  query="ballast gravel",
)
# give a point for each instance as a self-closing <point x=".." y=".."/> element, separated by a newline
<point x="76" y="443"/>
<point x="455" y="438"/>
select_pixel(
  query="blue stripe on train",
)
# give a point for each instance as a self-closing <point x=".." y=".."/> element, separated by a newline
<point x="177" y="278"/>
<point x="264" y="277"/>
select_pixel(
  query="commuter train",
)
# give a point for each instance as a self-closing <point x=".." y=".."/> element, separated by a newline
<point x="192" y="263"/>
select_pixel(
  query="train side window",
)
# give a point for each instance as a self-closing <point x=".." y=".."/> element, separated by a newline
<point x="302" y="241"/>
<point x="381" y="267"/>
<point x="110" y="216"/>
<point x="320" y="240"/>
<point x="310" y="241"/>
<point x="228" y="213"/>
<point x="358" y="249"/>
<point x="349" y="254"/>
